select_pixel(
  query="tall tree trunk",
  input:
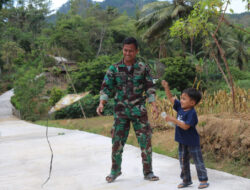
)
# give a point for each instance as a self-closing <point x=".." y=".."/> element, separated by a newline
<point x="228" y="70"/>
<point x="240" y="63"/>
<point x="191" y="44"/>
<point x="183" y="45"/>
<point x="222" y="54"/>
<point x="220" y="68"/>
<point x="162" y="51"/>
<point x="101" y="41"/>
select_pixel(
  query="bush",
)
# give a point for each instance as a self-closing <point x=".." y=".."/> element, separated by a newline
<point x="56" y="71"/>
<point x="243" y="84"/>
<point x="238" y="74"/>
<point x="89" y="104"/>
<point x="161" y="94"/>
<point x="179" y="73"/>
<point x="91" y="74"/>
<point x="27" y="90"/>
<point x="55" y="95"/>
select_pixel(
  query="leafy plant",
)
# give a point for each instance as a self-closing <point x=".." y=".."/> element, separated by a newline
<point x="179" y="73"/>
<point x="55" y="95"/>
<point x="27" y="90"/>
<point x="91" y="74"/>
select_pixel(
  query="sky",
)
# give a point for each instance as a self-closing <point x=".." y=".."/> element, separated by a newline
<point x="58" y="3"/>
<point x="237" y="5"/>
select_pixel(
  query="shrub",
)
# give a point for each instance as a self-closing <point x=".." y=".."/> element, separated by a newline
<point x="55" y="95"/>
<point x="243" y="84"/>
<point x="161" y="94"/>
<point x="27" y="90"/>
<point x="238" y="74"/>
<point x="179" y="73"/>
<point x="56" y="71"/>
<point x="91" y="74"/>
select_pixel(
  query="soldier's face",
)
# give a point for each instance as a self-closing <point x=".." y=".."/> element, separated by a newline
<point x="129" y="52"/>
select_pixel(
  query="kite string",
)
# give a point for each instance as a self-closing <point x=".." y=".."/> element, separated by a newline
<point x="51" y="150"/>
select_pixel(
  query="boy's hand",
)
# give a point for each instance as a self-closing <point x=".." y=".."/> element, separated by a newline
<point x="167" y="90"/>
<point x="169" y="118"/>
<point x="164" y="84"/>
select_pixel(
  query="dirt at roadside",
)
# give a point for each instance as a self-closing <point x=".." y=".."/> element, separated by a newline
<point x="226" y="135"/>
<point x="225" y="141"/>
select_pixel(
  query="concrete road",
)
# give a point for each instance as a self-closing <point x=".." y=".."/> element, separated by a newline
<point x="82" y="160"/>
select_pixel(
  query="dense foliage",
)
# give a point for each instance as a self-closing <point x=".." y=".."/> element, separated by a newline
<point x="173" y="38"/>
<point x="179" y="73"/>
<point x="90" y="75"/>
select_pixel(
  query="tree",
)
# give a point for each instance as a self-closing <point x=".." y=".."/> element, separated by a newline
<point x="27" y="15"/>
<point x="198" y="22"/>
<point x="158" y="17"/>
<point x="71" y="33"/>
<point x="10" y="51"/>
<point x="2" y="2"/>
<point x="91" y="74"/>
<point x="103" y="20"/>
<point x="179" y="72"/>
<point x="27" y="90"/>
<point x="237" y="47"/>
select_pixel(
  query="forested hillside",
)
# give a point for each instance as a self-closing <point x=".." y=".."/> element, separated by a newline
<point x="128" y="6"/>
<point x="242" y="19"/>
<point x="90" y="37"/>
<point x="131" y="7"/>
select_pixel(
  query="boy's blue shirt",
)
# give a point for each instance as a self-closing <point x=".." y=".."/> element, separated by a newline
<point x="187" y="137"/>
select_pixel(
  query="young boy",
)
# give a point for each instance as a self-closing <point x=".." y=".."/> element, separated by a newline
<point x="187" y="135"/>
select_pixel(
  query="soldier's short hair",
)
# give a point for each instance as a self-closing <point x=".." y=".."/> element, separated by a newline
<point x="130" y="40"/>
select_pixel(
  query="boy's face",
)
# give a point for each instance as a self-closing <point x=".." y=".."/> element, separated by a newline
<point x="186" y="102"/>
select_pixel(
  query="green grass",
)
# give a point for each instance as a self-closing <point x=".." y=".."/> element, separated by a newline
<point x="171" y="153"/>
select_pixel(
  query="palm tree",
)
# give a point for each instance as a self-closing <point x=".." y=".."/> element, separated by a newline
<point x="158" y="17"/>
<point x="237" y="48"/>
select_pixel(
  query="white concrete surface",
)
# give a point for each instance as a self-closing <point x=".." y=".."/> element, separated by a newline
<point x="82" y="160"/>
<point x="5" y="105"/>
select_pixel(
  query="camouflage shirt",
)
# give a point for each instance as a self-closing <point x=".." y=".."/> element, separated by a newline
<point x="131" y="88"/>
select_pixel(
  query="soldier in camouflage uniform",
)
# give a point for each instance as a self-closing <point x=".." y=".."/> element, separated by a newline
<point x="130" y="80"/>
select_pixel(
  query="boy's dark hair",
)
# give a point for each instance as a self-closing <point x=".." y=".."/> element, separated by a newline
<point x="130" y="40"/>
<point x="193" y="94"/>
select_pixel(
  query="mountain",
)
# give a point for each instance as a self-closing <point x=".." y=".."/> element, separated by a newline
<point x="64" y="8"/>
<point x="128" y="6"/>
<point x="242" y="19"/>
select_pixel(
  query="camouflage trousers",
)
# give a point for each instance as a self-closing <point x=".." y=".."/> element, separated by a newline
<point x="120" y="131"/>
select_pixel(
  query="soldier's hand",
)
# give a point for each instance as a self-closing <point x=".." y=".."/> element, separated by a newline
<point x="99" y="109"/>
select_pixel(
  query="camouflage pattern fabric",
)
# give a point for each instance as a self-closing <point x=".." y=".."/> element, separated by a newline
<point x="131" y="90"/>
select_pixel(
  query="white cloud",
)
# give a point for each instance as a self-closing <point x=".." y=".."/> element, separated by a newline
<point x="57" y="3"/>
<point x="237" y="5"/>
